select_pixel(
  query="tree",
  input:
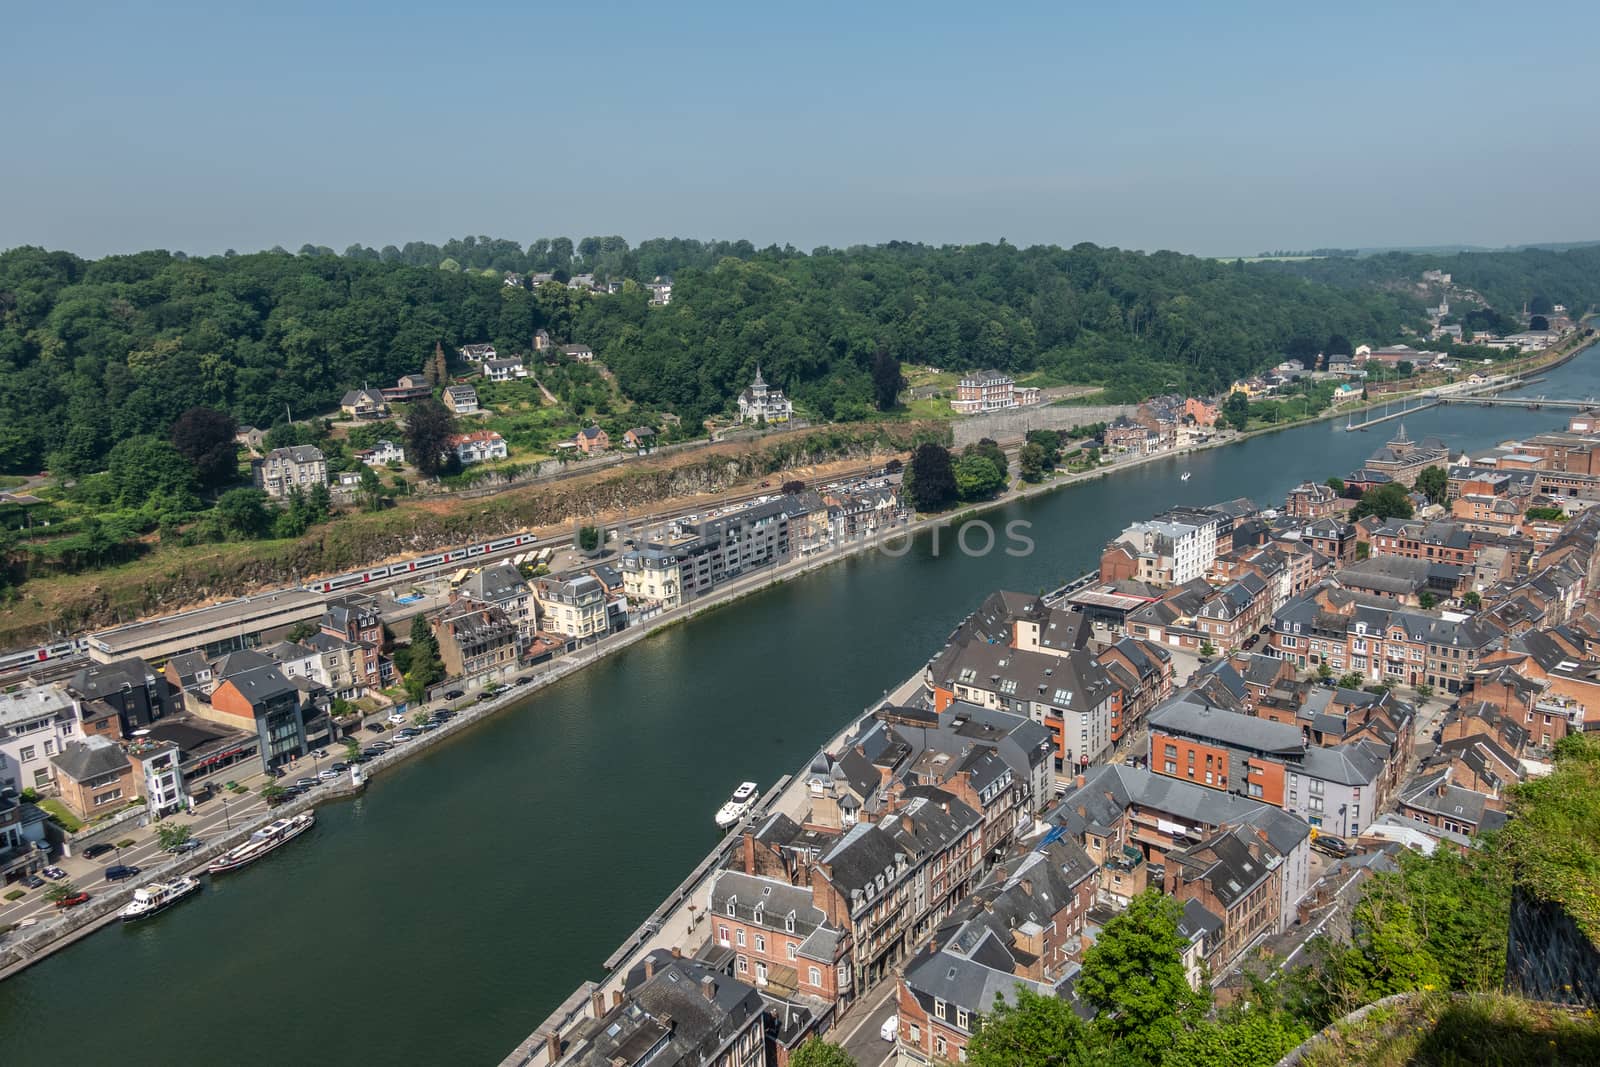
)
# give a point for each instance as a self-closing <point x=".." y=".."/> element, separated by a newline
<point x="273" y="793"/>
<point x="1337" y="485"/>
<point x="930" y="482"/>
<point x="1050" y="442"/>
<point x="976" y="476"/>
<point x="170" y="835"/>
<point x="1385" y="501"/>
<point x="1538" y="323"/>
<point x="1427" y="600"/>
<point x="1435" y="483"/>
<point x="794" y="487"/>
<point x="1032" y="462"/>
<point x="149" y="471"/>
<point x="815" y="1052"/>
<point x="1207" y="648"/>
<point x="1236" y="410"/>
<point x="1471" y="599"/>
<point x="1324" y="672"/>
<point x="352" y="749"/>
<point x="1244" y="1034"/>
<point x="205" y="437"/>
<point x="423" y="665"/>
<point x="1404" y="368"/>
<point x="1035" y="1030"/>
<point x="242" y="514"/>
<point x="429" y="427"/>
<point x="1339" y="345"/>
<point x="589" y="539"/>
<point x="371" y="489"/>
<point x="1351" y="680"/>
<point x="886" y="380"/>
<point x="1134" y="978"/>
<point x="56" y="892"/>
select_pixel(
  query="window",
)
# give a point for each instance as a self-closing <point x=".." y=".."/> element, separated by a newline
<point x="761" y="943"/>
<point x="1170" y="767"/>
<point x="738" y="936"/>
<point x="791" y="951"/>
<point x="938" y="1045"/>
<point x="744" y="965"/>
<point x="25" y="753"/>
<point x="961" y="1018"/>
<point x="50" y="747"/>
<point x="788" y="922"/>
<point x="761" y="972"/>
<point x="815" y="974"/>
<point x="1255" y="789"/>
<point x="938" y="1009"/>
<point x="730" y="909"/>
<point x="722" y="936"/>
<point x="916" y="1033"/>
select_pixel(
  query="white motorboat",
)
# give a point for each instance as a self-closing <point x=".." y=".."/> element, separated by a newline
<point x="1185" y="477"/>
<point x="738" y="806"/>
<point x="263" y="841"/>
<point x="157" y="897"/>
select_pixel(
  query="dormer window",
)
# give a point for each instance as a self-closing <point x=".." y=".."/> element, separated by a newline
<point x="732" y="910"/>
<point x="788" y="922"/>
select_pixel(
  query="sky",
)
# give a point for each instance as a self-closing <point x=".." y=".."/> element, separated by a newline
<point x="1218" y="129"/>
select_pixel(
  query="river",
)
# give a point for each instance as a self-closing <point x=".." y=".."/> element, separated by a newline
<point x="444" y="914"/>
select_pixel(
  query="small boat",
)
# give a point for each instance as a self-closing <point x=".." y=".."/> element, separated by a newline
<point x="263" y="841"/>
<point x="1185" y="477"/>
<point x="157" y="897"/>
<point x="738" y="806"/>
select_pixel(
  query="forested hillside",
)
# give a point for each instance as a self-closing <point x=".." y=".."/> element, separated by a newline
<point x="1536" y="277"/>
<point x="94" y="352"/>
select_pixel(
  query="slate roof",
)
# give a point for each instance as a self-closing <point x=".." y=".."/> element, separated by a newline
<point x="1191" y="718"/>
<point x="89" y="758"/>
<point x="494" y="583"/>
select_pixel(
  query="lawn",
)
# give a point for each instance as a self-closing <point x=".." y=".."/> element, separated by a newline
<point x="58" y="812"/>
<point x="1467" y="1031"/>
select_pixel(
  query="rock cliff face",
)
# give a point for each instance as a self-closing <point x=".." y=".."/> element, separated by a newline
<point x="1547" y="956"/>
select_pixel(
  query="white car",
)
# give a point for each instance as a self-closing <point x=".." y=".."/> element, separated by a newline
<point x="396" y="719"/>
<point x="890" y="1030"/>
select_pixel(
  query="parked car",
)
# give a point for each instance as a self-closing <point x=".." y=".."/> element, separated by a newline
<point x="185" y="847"/>
<point x="73" y="901"/>
<point x="397" y="718"/>
<point x="96" y="851"/>
<point x="327" y="774"/>
<point x="377" y="748"/>
<point x="340" y="767"/>
<point x="32" y="881"/>
<point x="320" y="753"/>
<point x="376" y="727"/>
<point x="890" y="1030"/>
<point x="53" y="873"/>
<point x="454" y="694"/>
<point x="524" y="679"/>
<point x="305" y="783"/>
<point x="487" y="694"/>
<point x="119" y="871"/>
<point x="1337" y="847"/>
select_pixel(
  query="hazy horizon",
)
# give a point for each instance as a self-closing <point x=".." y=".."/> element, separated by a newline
<point x="1213" y="132"/>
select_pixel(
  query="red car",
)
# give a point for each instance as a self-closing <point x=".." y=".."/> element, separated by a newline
<point x="73" y="901"/>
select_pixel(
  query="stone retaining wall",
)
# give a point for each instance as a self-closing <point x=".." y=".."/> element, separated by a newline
<point x="1014" y="424"/>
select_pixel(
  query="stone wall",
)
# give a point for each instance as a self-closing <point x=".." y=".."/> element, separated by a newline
<point x="1012" y="425"/>
<point x="1547" y="956"/>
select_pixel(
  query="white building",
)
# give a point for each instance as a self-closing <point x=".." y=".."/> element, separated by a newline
<point x="504" y="370"/>
<point x="477" y="353"/>
<point x="661" y="290"/>
<point x="382" y="454"/>
<point x="759" y="403"/>
<point x="1172" y="552"/>
<point x="161" y="779"/>
<point x="479" y="446"/>
<point x="34" y="724"/>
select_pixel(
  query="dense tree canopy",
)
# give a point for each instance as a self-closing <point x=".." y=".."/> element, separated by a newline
<point x="94" y="352"/>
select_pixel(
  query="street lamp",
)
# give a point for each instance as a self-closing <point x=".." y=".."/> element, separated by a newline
<point x="225" y="817"/>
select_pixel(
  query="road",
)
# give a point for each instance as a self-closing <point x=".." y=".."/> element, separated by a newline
<point x="861" y="1025"/>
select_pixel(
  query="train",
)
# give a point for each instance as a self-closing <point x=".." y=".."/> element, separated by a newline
<point x="450" y="557"/>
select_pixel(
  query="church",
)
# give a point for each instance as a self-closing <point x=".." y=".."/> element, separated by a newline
<point x="762" y="404"/>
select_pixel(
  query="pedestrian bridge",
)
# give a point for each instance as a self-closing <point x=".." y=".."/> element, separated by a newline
<point x="1532" y="403"/>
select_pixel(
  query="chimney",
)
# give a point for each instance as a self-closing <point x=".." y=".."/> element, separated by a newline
<point x="552" y="1046"/>
<point x="650" y="966"/>
<point x="597" y="1001"/>
<point x="1078" y="781"/>
<point x="616" y="998"/>
<point x="708" y="987"/>
<point x="677" y="953"/>
<point x="749" y="851"/>
<point x="1027" y="886"/>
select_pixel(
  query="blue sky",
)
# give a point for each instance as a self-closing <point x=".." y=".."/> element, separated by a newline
<point x="1218" y="128"/>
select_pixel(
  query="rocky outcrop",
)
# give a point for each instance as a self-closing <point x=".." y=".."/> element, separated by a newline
<point x="1547" y="956"/>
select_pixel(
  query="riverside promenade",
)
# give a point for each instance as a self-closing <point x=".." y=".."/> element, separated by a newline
<point x="677" y="922"/>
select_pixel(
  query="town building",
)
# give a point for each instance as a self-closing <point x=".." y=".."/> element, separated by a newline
<point x="503" y="370"/>
<point x="479" y="446"/>
<point x="1165" y="551"/>
<point x="287" y="716"/>
<point x="578" y="353"/>
<point x="477" y="353"/>
<point x="461" y="399"/>
<point x="382" y="454"/>
<point x="1401" y="460"/>
<point x="990" y="390"/>
<point x="475" y="639"/>
<point x="1312" y="500"/>
<point x="641" y="439"/>
<point x="763" y="404"/>
<point x="783" y="944"/>
<point x="285" y="470"/>
<point x="24" y="847"/>
<point x="502" y="586"/>
<point x="94" y="777"/>
<point x="364" y="404"/>
<point x="660" y="291"/>
<point x="592" y="440"/>
<point x="118" y="697"/>
<point x="574" y="607"/>
<point x="158" y="776"/>
<point x="408" y="388"/>
<point x="36" y="722"/>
